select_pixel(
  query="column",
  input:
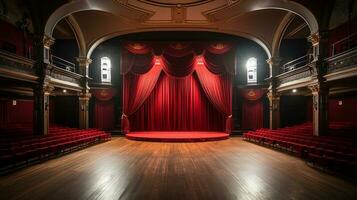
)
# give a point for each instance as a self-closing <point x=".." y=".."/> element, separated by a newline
<point x="320" y="108"/>
<point x="273" y="95"/>
<point x="43" y="88"/>
<point x="318" y="86"/>
<point x="41" y="109"/>
<point x="84" y="97"/>
<point x="84" y="110"/>
<point x="274" y="110"/>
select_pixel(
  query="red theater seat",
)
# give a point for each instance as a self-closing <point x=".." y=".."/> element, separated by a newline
<point x="327" y="151"/>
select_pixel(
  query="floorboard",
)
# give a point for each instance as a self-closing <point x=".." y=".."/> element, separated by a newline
<point x="125" y="169"/>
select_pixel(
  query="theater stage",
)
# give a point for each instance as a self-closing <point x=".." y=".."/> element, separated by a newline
<point x="179" y="136"/>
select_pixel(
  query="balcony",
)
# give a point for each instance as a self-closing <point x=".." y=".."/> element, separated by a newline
<point x="60" y="72"/>
<point x="343" y="60"/>
<point x="17" y="67"/>
<point x="296" y="73"/>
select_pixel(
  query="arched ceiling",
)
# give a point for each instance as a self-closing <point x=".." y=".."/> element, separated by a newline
<point x="252" y="19"/>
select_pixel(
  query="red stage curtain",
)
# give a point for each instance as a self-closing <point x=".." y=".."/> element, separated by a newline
<point x="342" y="113"/>
<point x="178" y="66"/>
<point x="177" y="104"/>
<point x="104" y="115"/>
<point x="135" y="63"/>
<point x="136" y="90"/>
<point x="21" y="113"/>
<point x="178" y="62"/>
<point x="220" y="63"/>
<point x="252" y="115"/>
<point x="218" y="89"/>
<point x="252" y="108"/>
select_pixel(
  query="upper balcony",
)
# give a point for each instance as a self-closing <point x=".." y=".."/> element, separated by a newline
<point x="343" y="60"/>
<point x="296" y="73"/>
<point x="61" y="73"/>
<point x="17" y="67"/>
<point x="341" y="64"/>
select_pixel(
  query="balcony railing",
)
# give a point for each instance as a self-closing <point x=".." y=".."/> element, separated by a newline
<point x="296" y="63"/>
<point x="344" y="44"/>
<point x="62" y="63"/>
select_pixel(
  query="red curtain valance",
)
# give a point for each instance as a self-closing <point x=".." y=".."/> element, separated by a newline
<point x="178" y="58"/>
<point x="252" y="94"/>
<point x="103" y="94"/>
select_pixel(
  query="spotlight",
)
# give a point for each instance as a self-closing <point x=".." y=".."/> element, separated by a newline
<point x="294" y="90"/>
<point x="64" y="91"/>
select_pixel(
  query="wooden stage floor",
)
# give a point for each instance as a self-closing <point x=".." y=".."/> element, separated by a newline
<point x="125" y="169"/>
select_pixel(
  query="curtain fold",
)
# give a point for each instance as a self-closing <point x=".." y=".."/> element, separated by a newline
<point x="177" y="95"/>
<point x="177" y="104"/>
<point x="135" y="63"/>
<point x="218" y="89"/>
<point x="220" y="63"/>
<point x="136" y="90"/>
<point x="252" y="115"/>
<point x="104" y="115"/>
<point x="178" y="66"/>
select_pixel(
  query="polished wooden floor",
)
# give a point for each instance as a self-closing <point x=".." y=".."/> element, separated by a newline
<point x="124" y="169"/>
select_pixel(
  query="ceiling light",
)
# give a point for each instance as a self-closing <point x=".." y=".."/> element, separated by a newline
<point x="64" y="90"/>
<point x="294" y="90"/>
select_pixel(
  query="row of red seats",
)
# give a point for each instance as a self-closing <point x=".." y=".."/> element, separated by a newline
<point x="27" y="150"/>
<point x="326" y="151"/>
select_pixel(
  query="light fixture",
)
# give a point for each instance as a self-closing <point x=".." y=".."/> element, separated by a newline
<point x="14" y="102"/>
<point x="294" y="90"/>
<point x="64" y="91"/>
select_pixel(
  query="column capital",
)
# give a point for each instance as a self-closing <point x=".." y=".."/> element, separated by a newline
<point x="318" y="88"/>
<point x="83" y="61"/>
<point x="317" y="37"/>
<point x="273" y="95"/>
<point x="314" y="39"/>
<point x="45" y="40"/>
<point x="85" y="96"/>
<point x="274" y="61"/>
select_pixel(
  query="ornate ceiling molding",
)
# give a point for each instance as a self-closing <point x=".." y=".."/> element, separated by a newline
<point x="174" y="3"/>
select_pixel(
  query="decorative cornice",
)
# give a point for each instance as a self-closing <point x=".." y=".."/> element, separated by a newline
<point x="186" y="3"/>
<point x="274" y="61"/>
<point x="83" y="61"/>
<point x="48" y="41"/>
<point x="314" y="39"/>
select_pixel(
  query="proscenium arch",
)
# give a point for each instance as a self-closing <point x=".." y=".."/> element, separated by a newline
<point x="83" y="5"/>
<point x="257" y="40"/>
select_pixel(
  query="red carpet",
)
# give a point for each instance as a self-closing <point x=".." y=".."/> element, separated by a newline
<point x="181" y="136"/>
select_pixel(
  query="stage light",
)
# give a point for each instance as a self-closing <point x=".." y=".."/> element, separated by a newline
<point x="64" y="91"/>
<point x="294" y="90"/>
